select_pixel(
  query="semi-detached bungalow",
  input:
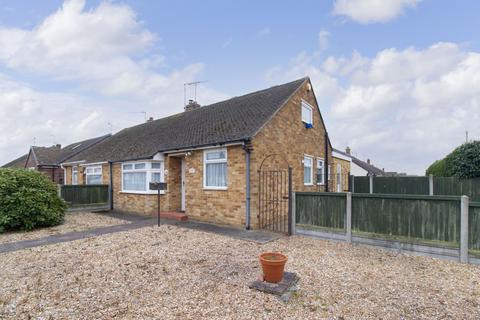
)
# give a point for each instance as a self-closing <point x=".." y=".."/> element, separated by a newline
<point x="210" y="156"/>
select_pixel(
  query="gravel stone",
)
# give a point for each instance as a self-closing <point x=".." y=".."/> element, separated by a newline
<point x="169" y="272"/>
<point x="74" y="221"/>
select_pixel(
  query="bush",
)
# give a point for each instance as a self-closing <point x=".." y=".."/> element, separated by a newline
<point x="438" y="169"/>
<point x="28" y="200"/>
<point x="464" y="161"/>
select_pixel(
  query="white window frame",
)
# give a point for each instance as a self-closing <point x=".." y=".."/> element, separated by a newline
<point x="322" y="161"/>
<point x="311" y="170"/>
<point x="310" y="108"/>
<point x="205" y="162"/>
<point x="148" y="176"/>
<point x="75" y="174"/>
<point x="93" y="174"/>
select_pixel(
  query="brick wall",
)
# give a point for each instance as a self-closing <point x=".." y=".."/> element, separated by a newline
<point x="286" y="134"/>
<point x="345" y="172"/>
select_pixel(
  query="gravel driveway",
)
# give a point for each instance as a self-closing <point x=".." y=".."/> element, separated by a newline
<point x="175" y="273"/>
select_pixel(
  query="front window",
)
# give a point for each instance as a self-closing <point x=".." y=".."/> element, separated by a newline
<point x="307" y="113"/>
<point x="307" y="170"/>
<point x="320" y="171"/>
<point x="215" y="169"/>
<point x="94" y="175"/>
<point x="136" y="177"/>
<point x="74" y="175"/>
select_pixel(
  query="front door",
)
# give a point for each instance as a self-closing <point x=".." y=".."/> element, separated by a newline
<point x="183" y="185"/>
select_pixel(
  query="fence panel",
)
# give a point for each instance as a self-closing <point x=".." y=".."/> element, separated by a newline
<point x="322" y="210"/>
<point x="401" y="185"/>
<point x="474" y="228"/>
<point x="85" y="194"/>
<point x="454" y="186"/>
<point x="361" y="184"/>
<point x="434" y="220"/>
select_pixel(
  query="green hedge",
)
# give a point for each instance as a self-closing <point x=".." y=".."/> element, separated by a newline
<point x="28" y="200"/>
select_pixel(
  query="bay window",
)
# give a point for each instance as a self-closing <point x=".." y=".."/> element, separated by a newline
<point x="94" y="175"/>
<point x="137" y="176"/>
<point x="307" y="170"/>
<point x="215" y="169"/>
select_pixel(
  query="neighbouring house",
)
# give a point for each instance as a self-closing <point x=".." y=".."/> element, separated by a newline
<point x="210" y="156"/>
<point x="342" y="163"/>
<point x="359" y="167"/>
<point x="47" y="160"/>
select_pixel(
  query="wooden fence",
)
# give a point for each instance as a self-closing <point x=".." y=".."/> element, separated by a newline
<point x="441" y="186"/>
<point x="81" y="195"/>
<point x="414" y="220"/>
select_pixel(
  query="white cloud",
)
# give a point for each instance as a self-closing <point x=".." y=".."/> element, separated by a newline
<point x="402" y="108"/>
<point x="108" y="54"/>
<point x="372" y="11"/>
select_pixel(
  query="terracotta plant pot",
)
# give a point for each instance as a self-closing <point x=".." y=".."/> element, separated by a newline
<point x="273" y="264"/>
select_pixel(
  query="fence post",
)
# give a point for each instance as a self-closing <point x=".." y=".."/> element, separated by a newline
<point x="464" y="229"/>
<point x="348" y="222"/>
<point x="430" y="184"/>
<point x="293" y="219"/>
<point x="371" y="184"/>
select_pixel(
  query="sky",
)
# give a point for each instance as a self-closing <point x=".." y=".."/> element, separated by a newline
<point x="398" y="81"/>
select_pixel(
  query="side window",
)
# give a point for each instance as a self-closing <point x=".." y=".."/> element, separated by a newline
<point x="307" y="113"/>
<point x="307" y="170"/>
<point x="320" y="172"/>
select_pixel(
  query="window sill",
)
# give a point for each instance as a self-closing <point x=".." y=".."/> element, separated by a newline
<point x="215" y="188"/>
<point x="148" y="193"/>
<point x="320" y="184"/>
<point x="308" y="184"/>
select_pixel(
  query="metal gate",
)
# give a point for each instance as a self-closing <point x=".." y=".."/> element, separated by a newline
<point x="275" y="195"/>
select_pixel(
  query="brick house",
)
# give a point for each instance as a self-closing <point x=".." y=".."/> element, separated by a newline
<point x="209" y="156"/>
<point x="47" y="160"/>
<point x="342" y="163"/>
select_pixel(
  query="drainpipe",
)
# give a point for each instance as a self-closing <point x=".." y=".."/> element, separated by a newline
<point x="247" y="146"/>
<point x="326" y="164"/>
<point x="110" y="185"/>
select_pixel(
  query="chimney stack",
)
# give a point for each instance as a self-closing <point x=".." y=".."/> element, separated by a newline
<point x="368" y="161"/>
<point x="192" y="105"/>
<point x="59" y="146"/>
<point x="150" y="119"/>
<point x="348" y="150"/>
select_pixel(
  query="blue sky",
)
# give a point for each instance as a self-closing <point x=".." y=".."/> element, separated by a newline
<point x="388" y="74"/>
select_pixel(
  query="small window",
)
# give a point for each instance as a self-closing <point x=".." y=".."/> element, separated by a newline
<point x="156" y="165"/>
<point x="307" y="113"/>
<point x="307" y="170"/>
<point x="215" y="169"/>
<point x="94" y="175"/>
<point x="139" y="166"/>
<point x="74" y="175"/>
<point x="320" y="172"/>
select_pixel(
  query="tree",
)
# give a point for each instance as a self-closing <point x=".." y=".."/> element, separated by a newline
<point x="438" y="169"/>
<point x="464" y="161"/>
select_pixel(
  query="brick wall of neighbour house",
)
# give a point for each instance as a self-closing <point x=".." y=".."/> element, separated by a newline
<point x="218" y="206"/>
<point x="286" y="134"/>
<point x="68" y="175"/>
<point x="344" y="173"/>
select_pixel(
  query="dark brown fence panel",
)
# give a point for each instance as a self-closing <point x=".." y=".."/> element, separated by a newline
<point x="77" y="195"/>
<point x="401" y="185"/>
<point x="431" y="220"/>
<point x="474" y="228"/>
<point x="323" y="210"/>
<point x="457" y="187"/>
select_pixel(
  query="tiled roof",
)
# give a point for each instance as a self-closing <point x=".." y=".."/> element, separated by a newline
<point x="371" y="169"/>
<point x="17" y="163"/>
<point x="232" y="120"/>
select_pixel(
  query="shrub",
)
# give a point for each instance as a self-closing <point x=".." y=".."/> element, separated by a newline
<point x="28" y="200"/>
<point x="438" y="169"/>
<point x="464" y="161"/>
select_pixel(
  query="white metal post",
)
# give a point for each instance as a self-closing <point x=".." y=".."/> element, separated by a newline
<point x="464" y="229"/>
<point x="348" y="221"/>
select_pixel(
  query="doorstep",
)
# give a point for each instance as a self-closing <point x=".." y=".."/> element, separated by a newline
<point x="174" y="215"/>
